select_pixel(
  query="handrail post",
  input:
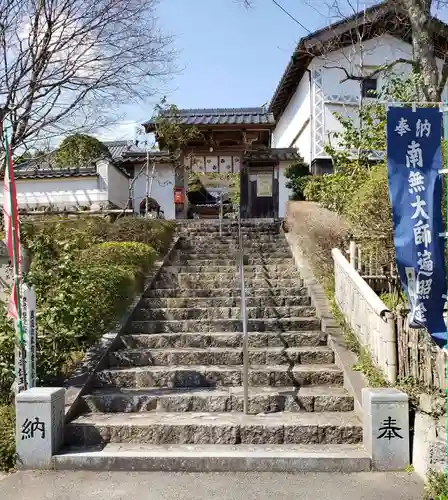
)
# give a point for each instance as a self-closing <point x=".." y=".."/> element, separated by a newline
<point x="220" y="214"/>
<point x="243" y="318"/>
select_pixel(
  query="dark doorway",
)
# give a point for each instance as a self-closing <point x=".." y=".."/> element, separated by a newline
<point x="262" y="192"/>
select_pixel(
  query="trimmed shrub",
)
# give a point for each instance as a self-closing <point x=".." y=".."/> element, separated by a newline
<point x="84" y="281"/>
<point x="369" y="211"/>
<point x="77" y="303"/>
<point x="298" y="176"/>
<point x="7" y="437"/>
<point x="313" y="188"/>
<point x="125" y="254"/>
<point x="334" y="191"/>
<point x="157" y="233"/>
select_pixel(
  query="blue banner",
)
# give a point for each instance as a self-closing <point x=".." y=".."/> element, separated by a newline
<point x="414" y="158"/>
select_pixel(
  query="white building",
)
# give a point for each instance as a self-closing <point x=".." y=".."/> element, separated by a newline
<point x="316" y="82"/>
<point x="108" y="183"/>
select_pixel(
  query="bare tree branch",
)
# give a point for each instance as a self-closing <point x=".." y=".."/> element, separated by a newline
<point x="372" y="74"/>
<point x="69" y="64"/>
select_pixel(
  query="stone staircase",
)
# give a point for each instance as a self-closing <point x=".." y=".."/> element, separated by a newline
<point x="172" y="395"/>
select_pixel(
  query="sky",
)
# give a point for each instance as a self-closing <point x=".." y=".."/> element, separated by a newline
<point x="228" y="56"/>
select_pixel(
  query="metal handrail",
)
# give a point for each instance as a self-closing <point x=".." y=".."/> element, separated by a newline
<point x="243" y="317"/>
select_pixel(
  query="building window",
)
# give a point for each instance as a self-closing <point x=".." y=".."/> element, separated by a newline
<point x="369" y="87"/>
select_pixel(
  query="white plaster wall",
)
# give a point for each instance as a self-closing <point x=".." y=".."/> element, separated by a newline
<point x="71" y="191"/>
<point x="332" y="124"/>
<point x="118" y="186"/>
<point x="162" y="189"/>
<point x="283" y="192"/>
<point x="294" y="116"/>
<point x="303" y="143"/>
<point x="111" y="179"/>
<point x="376" y="52"/>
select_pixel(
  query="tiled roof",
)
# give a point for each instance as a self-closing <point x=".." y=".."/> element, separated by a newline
<point x="140" y="157"/>
<point x="385" y="17"/>
<point x="47" y="173"/>
<point x="273" y="154"/>
<point x="118" y="148"/>
<point x="221" y="116"/>
<point x="45" y="168"/>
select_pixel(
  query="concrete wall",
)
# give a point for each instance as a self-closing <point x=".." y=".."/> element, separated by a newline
<point x="70" y="191"/>
<point x="162" y="189"/>
<point x="429" y="444"/>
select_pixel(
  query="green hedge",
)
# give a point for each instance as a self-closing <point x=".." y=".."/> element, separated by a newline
<point x="85" y="272"/>
<point x="130" y="254"/>
<point x="334" y="191"/>
<point x="298" y="176"/>
<point x="7" y="437"/>
<point x="157" y="233"/>
<point x="85" y="231"/>
<point x="76" y="304"/>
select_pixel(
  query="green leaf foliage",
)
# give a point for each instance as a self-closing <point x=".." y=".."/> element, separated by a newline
<point x="7" y="437"/>
<point x="437" y="486"/>
<point x="297" y="175"/>
<point x="80" y="150"/>
<point x="358" y="188"/>
<point x="369" y="209"/>
<point x="85" y="271"/>
<point x="157" y="233"/>
<point x="129" y="254"/>
<point x="7" y="341"/>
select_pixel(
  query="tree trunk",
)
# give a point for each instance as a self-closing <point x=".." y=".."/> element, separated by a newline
<point x="419" y="12"/>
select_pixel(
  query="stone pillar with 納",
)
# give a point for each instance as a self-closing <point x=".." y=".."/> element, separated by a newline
<point x="386" y="428"/>
<point x="40" y="413"/>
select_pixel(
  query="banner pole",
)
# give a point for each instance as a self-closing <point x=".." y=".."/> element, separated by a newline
<point x="16" y="265"/>
<point x="445" y="123"/>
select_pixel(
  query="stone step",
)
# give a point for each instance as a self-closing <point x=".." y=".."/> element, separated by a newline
<point x="224" y="325"/>
<point x="194" y="281"/>
<point x="217" y="256"/>
<point x="221" y="356"/>
<point x="258" y="249"/>
<point x="219" y="376"/>
<point x="261" y="400"/>
<point x="225" y="340"/>
<point x="215" y="428"/>
<point x="262" y="292"/>
<point x="232" y="275"/>
<point x="186" y="260"/>
<point x="202" y="227"/>
<point x="229" y="301"/>
<point x="171" y="314"/>
<point x="232" y="268"/>
<point x="279" y="243"/>
<point x="340" y="458"/>
<point x="230" y="226"/>
<point x="227" y="236"/>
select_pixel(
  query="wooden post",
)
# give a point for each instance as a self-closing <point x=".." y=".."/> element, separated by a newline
<point x="352" y="252"/>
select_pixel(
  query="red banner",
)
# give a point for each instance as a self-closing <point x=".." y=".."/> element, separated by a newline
<point x="12" y="232"/>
